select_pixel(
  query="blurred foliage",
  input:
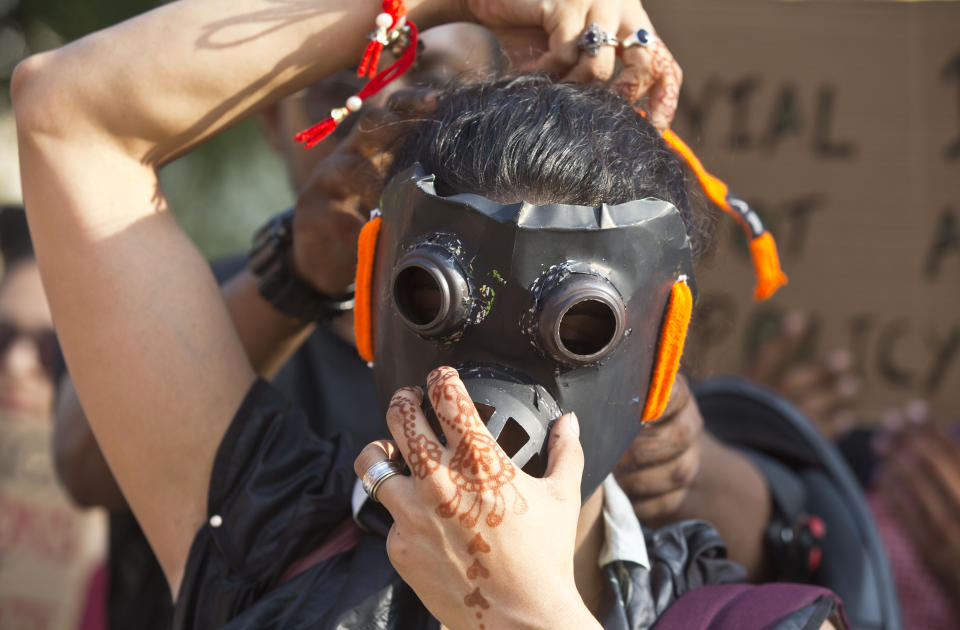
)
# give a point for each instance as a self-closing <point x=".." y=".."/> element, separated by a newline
<point x="221" y="192"/>
<point x="72" y="19"/>
<point x="31" y="26"/>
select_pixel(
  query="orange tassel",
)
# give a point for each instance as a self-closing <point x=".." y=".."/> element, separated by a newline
<point x="362" y="304"/>
<point x="763" y="249"/>
<point x="673" y="334"/>
<point x="770" y="277"/>
<point x="715" y="188"/>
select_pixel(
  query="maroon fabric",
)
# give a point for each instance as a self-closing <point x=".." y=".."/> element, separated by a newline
<point x="343" y="538"/>
<point x="95" y="607"/>
<point x="923" y="602"/>
<point x="738" y="606"/>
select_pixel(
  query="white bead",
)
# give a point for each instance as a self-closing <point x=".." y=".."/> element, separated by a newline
<point x="216" y="520"/>
<point x="384" y="21"/>
<point x="354" y="103"/>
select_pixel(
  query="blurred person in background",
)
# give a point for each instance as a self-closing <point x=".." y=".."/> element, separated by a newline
<point x="28" y="345"/>
<point x="50" y="552"/>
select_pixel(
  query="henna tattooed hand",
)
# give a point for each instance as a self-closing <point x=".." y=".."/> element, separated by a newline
<point x="542" y="37"/>
<point x="483" y="544"/>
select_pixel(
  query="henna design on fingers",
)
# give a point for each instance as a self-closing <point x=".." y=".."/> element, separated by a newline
<point x="628" y="90"/>
<point x="424" y="456"/>
<point x="667" y="94"/>
<point x="477" y="570"/>
<point x="424" y="453"/>
<point x="479" y="467"/>
<point x="479" y="470"/>
<point x="478" y="545"/>
<point x="443" y="391"/>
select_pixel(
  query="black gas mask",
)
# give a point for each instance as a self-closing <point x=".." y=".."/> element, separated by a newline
<point x="543" y="310"/>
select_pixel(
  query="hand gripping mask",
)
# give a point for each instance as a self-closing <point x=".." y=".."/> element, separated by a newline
<point x="543" y="309"/>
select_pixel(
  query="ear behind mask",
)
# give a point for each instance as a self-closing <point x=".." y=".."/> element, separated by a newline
<point x="543" y="309"/>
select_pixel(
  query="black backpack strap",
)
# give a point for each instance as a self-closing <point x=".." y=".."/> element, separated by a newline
<point x="788" y="449"/>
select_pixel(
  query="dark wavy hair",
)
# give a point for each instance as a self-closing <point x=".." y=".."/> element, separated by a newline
<point x="533" y="139"/>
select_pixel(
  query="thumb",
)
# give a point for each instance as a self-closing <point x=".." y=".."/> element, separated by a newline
<point x="565" y="455"/>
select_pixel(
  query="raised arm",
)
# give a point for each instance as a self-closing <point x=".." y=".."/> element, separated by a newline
<point x="152" y="350"/>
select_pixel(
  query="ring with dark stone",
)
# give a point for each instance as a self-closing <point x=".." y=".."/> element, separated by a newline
<point x="593" y="38"/>
<point x="642" y="37"/>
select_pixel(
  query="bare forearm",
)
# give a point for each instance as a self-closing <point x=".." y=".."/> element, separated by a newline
<point x="159" y="366"/>
<point x="200" y="66"/>
<point x="268" y="336"/>
<point x="80" y="463"/>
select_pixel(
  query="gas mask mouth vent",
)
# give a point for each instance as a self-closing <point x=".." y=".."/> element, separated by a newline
<point x="431" y="292"/>
<point x="509" y="433"/>
<point x="582" y="320"/>
<point x="511" y="437"/>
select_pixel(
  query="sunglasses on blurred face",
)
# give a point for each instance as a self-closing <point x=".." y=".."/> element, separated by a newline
<point x="44" y="340"/>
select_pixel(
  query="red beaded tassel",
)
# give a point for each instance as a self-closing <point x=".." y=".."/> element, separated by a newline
<point x="390" y="19"/>
<point x="310" y="137"/>
<point x="318" y="132"/>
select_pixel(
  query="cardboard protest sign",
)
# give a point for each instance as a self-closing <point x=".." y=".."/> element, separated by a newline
<point x="840" y="124"/>
<point x="48" y="547"/>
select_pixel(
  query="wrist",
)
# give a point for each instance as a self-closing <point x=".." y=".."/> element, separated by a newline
<point x="280" y="284"/>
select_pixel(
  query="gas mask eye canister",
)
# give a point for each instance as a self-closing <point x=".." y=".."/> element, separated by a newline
<point x="543" y="310"/>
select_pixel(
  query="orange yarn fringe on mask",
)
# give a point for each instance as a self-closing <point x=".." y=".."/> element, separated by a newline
<point x="763" y="249"/>
<point x="672" y="336"/>
<point x="362" y="303"/>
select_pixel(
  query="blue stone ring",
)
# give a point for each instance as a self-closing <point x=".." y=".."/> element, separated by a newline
<point x="642" y="37"/>
<point x="593" y="38"/>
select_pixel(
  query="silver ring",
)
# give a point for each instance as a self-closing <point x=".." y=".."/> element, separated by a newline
<point x="377" y="474"/>
<point x="593" y="38"/>
<point x="642" y="37"/>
